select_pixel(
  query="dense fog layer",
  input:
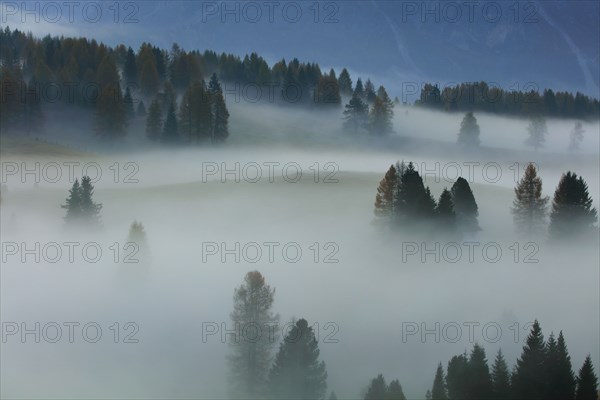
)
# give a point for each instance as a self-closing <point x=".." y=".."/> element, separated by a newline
<point x="378" y="284"/>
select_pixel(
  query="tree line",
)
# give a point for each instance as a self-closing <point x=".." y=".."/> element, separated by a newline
<point x="480" y="96"/>
<point x="543" y="371"/>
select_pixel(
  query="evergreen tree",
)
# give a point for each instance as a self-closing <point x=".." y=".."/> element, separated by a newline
<point x="385" y="198"/>
<point x="469" y="131"/>
<point x="558" y="369"/>
<point x="438" y="391"/>
<point x="377" y="389"/>
<point x="576" y="137"/>
<point x="154" y="121"/>
<point x="359" y="90"/>
<point x="587" y="382"/>
<point x="537" y="132"/>
<point x="457" y="378"/>
<point x="370" y="94"/>
<point x="90" y="210"/>
<point x="149" y="78"/>
<point x="345" y="83"/>
<point x="529" y="207"/>
<point x="529" y="379"/>
<point x="480" y="380"/>
<point x="137" y="234"/>
<point x="380" y="117"/>
<point x="332" y="396"/>
<point x="395" y="392"/>
<point x="130" y="68"/>
<point x="328" y="91"/>
<point x="445" y="212"/>
<point x="170" y="133"/>
<point x="500" y="378"/>
<point x="572" y="212"/>
<point x="465" y="206"/>
<point x="296" y="372"/>
<point x="128" y="101"/>
<point x="73" y="204"/>
<point x="220" y="118"/>
<point x="214" y="86"/>
<point x="196" y="112"/>
<point x="250" y="359"/>
<point x="111" y="114"/>
<point x="356" y="115"/>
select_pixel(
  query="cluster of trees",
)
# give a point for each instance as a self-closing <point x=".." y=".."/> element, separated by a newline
<point x="202" y="115"/>
<point x="543" y="371"/>
<point x="403" y="201"/>
<point x="367" y="110"/>
<point x="479" y="96"/>
<point x="83" y="73"/>
<point x="295" y="372"/>
<point x="106" y="79"/>
<point x="81" y="210"/>
<point x="572" y="215"/>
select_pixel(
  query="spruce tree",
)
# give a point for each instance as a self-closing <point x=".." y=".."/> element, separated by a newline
<point x="565" y="378"/>
<point x="457" y="377"/>
<point x="537" y="130"/>
<point x="356" y="115"/>
<point x="250" y="359"/>
<point x="500" y="378"/>
<point x="445" y="212"/>
<point x="479" y="378"/>
<point x="370" y="94"/>
<point x="469" y="131"/>
<point x="572" y="212"/>
<point x="73" y="204"/>
<point x="587" y="382"/>
<point x="90" y="210"/>
<point x="149" y="78"/>
<point x="154" y="121"/>
<point x="529" y="379"/>
<point x="137" y="234"/>
<point x="130" y="68"/>
<point x="111" y="113"/>
<point x="196" y="112"/>
<point x="220" y="123"/>
<point x="296" y="372"/>
<point x="377" y="389"/>
<point x="128" y="101"/>
<point x="438" y="391"/>
<point x="394" y="391"/>
<point x="170" y="133"/>
<point x="359" y="90"/>
<point x="576" y="137"/>
<point x="559" y="372"/>
<point x="380" y="117"/>
<point x="345" y="83"/>
<point x="465" y="207"/>
<point x="529" y="207"/>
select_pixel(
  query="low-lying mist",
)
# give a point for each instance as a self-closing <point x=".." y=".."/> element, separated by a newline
<point x="292" y="196"/>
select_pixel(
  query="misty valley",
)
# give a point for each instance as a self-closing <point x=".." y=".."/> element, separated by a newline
<point x="205" y="205"/>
